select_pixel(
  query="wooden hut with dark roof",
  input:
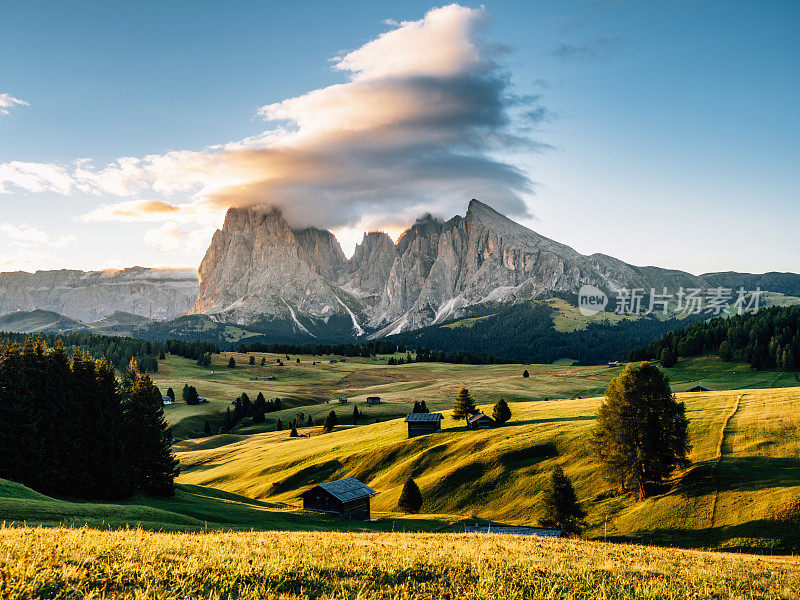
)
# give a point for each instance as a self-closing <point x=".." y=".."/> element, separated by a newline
<point x="423" y="423"/>
<point x="481" y="421"/>
<point x="348" y="498"/>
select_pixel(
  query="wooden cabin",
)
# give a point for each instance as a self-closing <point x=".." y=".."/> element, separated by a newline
<point x="423" y="423"/>
<point x="342" y="400"/>
<point x="699" y="388"/>
<point x="373" y="399"/>
<point x="481" y="421"/>
<point x="348" y="498"/>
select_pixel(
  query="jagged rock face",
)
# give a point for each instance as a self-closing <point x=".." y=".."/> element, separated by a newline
<point x="321" y="251"/>
<point x="370" y="266"/>
<point x="90" y="296"/>
<point x="417" y="249"/>
<point x="256" y="268"/>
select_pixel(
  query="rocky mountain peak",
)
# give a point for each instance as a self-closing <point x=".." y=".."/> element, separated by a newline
<point x="370" y="266"/>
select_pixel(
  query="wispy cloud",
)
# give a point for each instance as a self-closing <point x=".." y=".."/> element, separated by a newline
<point x="7" y="102"/>
<point x="417" y="126"/>
<point x="599" y="49"/>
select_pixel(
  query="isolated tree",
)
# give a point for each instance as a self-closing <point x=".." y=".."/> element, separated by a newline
<point x="356" y="414"/>
<point x="279" y="425"/>
<point x="331" y="421"/>
<point x="162" y="356"/>
<point x="185" y="392"/>
<point x="207" y="428"/>
<point x="310" y="422"/>
<point x="151" y="463"/>
<point x="252" y="360"/>
<point x="171" y="394"/>
<point x="263" y="361"/>
<point x="298" y="360"/>
<point x="410" y="500"/>
<point x="464" y="405"/>
<point x="293" y="432"/>
<point x="501" y="413"/>
<point x="641" y="433"/>
<point x="561" y="507"/>
<point x="192" y="397"/>
<point x="231" y="363"/>
<point x="526" y="374"/>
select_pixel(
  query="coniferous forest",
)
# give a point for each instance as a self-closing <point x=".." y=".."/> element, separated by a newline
<point x="767" y="339"/>
<point x="69" y="428"/>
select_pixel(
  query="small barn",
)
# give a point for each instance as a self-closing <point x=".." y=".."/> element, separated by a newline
<point x="481" y="421"/>
<point x="373" y="399"/>
<point x="254" y="379"/>
<point x="165" y="400"/>
<point x="348" y="498"/>
<point x="699" y="388"/>
<point x="271" y="378"/>
<point x="613" y="363"/>
<point x="342" y="400"/>
<point x="423" y="423"/>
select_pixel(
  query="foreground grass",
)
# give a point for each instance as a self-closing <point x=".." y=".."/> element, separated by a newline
<point x="84" y="563"/>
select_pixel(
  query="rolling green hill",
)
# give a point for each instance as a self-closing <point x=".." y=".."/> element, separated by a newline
<point x="745" y="469"/>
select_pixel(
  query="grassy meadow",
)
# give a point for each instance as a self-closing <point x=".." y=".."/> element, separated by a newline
<point x="83" y="563"/>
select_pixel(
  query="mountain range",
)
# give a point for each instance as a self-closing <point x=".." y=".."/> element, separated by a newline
<point x="265" y="277"/>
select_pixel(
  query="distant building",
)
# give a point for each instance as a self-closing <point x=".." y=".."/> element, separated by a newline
<point x="503" y="530"/>
<point x="202" y="400"/>
<point x="166" y="400"/>
<point x="423" y="423"/>
<point x="342" y="400"/>
<point x="271" y="378"/>
<point x="348" y="498"/>
<point x="333" y="362"/>
<point x="699" y="388"/>
<point x="254" y="379"/>
<point x="373" y="399"/>
<point x="613" y="363"/>
<point x="481" y="421"/>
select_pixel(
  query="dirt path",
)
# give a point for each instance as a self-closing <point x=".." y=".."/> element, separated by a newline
<point x="718" y="458"/>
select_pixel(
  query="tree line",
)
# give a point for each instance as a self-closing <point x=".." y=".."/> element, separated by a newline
<point x="767" y="339"/>
<point x="69" y="428"/>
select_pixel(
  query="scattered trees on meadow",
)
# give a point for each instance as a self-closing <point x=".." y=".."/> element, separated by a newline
<point x="464" y="405"/>
<point x="501" y="413"/>
<point x="561" y="507"/>
<point x="410" y="500"/>
<point x="641" y="434"/>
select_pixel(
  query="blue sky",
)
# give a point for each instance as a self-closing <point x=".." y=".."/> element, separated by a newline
<point x="667" y="132"/>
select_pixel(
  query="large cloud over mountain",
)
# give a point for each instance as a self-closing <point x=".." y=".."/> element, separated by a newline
<point x="418" y="126"/>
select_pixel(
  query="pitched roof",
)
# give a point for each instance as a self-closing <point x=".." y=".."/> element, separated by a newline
<point x="699" y="388"/>
<point x="478" y="417"/>
<point x="345" y="490"/>
<point x="423" y="417"/>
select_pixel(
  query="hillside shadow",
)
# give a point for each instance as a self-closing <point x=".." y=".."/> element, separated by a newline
<point x="553" y="420"/>
<point x="739" y="474"/>
<point x="309" y="476"/>
<point x="759" y="535"/>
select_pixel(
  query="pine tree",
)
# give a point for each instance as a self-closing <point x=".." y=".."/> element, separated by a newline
<point x="152" y="465"/>
<point x="263" y="361"/>
<point x="501" y="413"/>
<point x="192" y="397"/>
<point x="279" y="425"/>
<point x="231" y="363"/>
<point x="355" y="415"/>
<point x="185" y="392"/>
<point x="331" y="421"/>
<point x="464" y="405"/>
<point x="252" y="360"/>
<point x="293" y="432"/>
<point x="641" y="433"/>
<point x="410" y="500"/>
<point x="171" y="394"/>
<point x="310" y="422"/>
<point x="526" y="374"/>
<point x="207" y="428"/>
<point x="561" y="507"/>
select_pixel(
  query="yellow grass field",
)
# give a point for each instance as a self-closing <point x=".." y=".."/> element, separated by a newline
<point x="135" y="564"/>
